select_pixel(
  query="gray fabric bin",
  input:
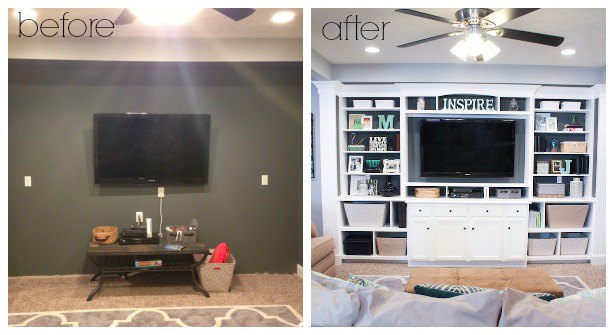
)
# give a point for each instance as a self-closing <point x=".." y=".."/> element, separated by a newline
<point x="391" y="246"/>
<point x="543" y="244"/>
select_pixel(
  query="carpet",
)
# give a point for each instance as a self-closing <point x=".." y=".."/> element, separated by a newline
<point x="212" y="316"/>
<point x="569" y="284"/>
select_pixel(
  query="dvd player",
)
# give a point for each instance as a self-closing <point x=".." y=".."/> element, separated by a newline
<point x="466" y="192"/>
<point x="133" y="240"/>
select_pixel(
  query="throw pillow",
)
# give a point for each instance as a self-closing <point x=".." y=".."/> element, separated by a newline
<point x="354" y="279"/>
<point x="449" y="291"/>
<point x="587" y="294"/>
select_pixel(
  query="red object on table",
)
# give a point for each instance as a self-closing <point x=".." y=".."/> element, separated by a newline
<point x="220" y="253"/>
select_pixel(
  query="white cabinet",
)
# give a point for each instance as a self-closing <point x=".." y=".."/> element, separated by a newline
<point x="484" y="239"/>
<point x="421" y="239"/>
<point x="450" y="238"/>
<point x="515" y="239"/>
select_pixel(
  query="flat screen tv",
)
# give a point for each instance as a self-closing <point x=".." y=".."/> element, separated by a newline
<point x="151" y="148"/>
<point x="467" y="148"/>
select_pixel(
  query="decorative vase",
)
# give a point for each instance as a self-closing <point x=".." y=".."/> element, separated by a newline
<point x="554" y="145"/>
<point x="575" y="188"/>
<point x="389" y="190"/>
<point x="514" y="105"/>
<point x="421" y="104"/>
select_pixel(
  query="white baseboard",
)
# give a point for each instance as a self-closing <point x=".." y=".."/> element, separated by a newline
<point x="598" y="260"/>
<point x="299" y="271"/>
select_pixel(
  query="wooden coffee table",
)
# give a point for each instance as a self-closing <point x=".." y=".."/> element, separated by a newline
<point x="119" y="259"/>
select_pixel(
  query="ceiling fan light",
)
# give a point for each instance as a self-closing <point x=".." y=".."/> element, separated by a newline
<point x="474" y="44"/>
<point x="489" y="50"/>
<point x="158" y="16"/>
<point x="460" y="50"/>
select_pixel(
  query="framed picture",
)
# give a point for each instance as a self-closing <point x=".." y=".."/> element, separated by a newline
<point x="378" y="143"/>
<point x="356" y="184"/>
<point x="541" y="123"/>
<point x="551" y="124"/>
<point x="555" y="165"/>
<point x="392" y="166"/>
<point x="367" y="122"/>
<point x="355" y="121"/>
<point x="355" y="164"/>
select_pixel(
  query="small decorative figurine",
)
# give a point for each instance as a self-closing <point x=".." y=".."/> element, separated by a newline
<point x="514" y="105"/>
<point x="421" y="104"/>
<point x="389" y="190"/>
<point x="554" y="145"/>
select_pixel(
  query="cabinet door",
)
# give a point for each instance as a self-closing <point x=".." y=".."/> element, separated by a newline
<point x="485" y="239"/>
<point x="421" y="239"/>
<point x="450" y="238"/>
<point x="515" y="239"/>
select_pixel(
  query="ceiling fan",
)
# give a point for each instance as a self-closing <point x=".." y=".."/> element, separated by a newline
<point x="475" y="23"/>
<point x="237" y="14"/>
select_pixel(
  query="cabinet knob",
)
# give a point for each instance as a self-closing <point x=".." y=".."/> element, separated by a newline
<point x="419" y="210"/>
<point x="450" y="211"/>
<point x="517" y="211"/>
<point x="464" y="228"/>
<point x="487" y="211"/>
<point x="472" y="228"/>
<point x="428" y="228"/>
<point x="509" y="227"/>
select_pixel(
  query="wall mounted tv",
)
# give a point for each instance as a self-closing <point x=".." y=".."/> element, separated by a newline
<point x="151" y="148"/>
<point x="467" y="148"/>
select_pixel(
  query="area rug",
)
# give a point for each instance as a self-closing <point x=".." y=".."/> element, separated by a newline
<point x="569" y="284"/>
<point x="219" y="316"/>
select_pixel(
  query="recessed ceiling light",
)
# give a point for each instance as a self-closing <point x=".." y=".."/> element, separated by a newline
<point x="568" y="52"/>
<point x="26" y="13"/>
<point x="372" y="50"/>
<point x="164" y="15"/>
<point x="283" y="17"/>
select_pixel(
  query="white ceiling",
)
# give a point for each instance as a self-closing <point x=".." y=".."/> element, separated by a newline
<point x="583" y="29"/>
<point x="208" y="23"/>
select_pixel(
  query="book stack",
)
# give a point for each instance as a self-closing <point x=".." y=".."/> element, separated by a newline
<point x="535" y="219"/>
<point x="540" y="143"/>
<point x="579" y="165"/>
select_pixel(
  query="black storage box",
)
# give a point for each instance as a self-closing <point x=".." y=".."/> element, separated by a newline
<point x="402" y="214"/>
<point x="358" y="243"/>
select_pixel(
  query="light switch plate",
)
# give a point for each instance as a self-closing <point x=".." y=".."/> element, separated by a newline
<point x="265" y="179"/>
<point x="160" y="192"/>
<point x="27" y="181"/>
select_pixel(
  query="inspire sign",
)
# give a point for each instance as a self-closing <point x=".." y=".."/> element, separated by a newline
<point x="468" y="102"/>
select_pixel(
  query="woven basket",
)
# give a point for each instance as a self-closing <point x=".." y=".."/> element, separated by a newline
<point x="573" y="147"/>
<point x="366" y="214"/>
<point x="216" y="277"/>
<point x="104" y="235"/>
<point x="542" y="244"/>
<point x="427" y="192"/>
<point x="574" y="244"/>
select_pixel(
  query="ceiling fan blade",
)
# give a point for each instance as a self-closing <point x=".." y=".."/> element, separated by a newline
<point x="427" y="16"/>
<point x="125" y="17"/>
<point x="236" y="14"/>
<point x="527" y="36"/>
<point x="434" y="38"/>
<point x="506" y="14"/>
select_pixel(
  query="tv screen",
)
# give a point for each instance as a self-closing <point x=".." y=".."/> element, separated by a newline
<point x="467" y="148"/>
<point x="151" y="148"/>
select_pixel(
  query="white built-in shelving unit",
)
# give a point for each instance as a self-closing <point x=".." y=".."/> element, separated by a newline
<point x="340" y="102"/>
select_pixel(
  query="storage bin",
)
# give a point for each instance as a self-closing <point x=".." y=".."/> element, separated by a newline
<point x="384" y="103"/>
<point x="573" y="147"/>
<point x="574" y="244"/>
<point x="566" y="216"/>
<point x="509" y="193"/>
<point x="571" y="105"/>
<point x="363" y="103"/>
<point x="358" y="243"/>
<point x="549" y="104"/>
<point x="391" y="246"/>
<point x="428" y="192"/>
<point x="215" y="277"/>
<point x="551" y="190"/>
<point x="366" y="214"/>
<point x="543" y="244"/>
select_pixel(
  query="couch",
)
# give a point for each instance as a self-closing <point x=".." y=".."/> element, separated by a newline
<point x="335" y="302"/>
<point x="322" y="253"/>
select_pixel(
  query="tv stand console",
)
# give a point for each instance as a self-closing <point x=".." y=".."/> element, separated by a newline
<point x="458" y="233"/>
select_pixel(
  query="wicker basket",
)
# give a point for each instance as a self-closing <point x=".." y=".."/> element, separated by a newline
<point x="549" y="104"/>
<point x="573" y="147"/>
<point x="575" y="105"/>
<point x="104" y="235"/>
<point x="216" y="277"/>
<point x="574" y="244"/>
<point x="366" y="214"/>
<point x="542" y="244"/>
<point x="427" y="192"/>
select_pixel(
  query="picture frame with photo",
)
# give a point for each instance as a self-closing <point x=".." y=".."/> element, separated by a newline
<point x="367" y="122"/>
<point x="392" y="166"/>
<point x="551" y="124"/>
<point x="541" y="121"/>
<point x="355" y="164"/>
<point x="355" y="121"/>
<point x="356" y="182"/>
<point x="555" y="166"/>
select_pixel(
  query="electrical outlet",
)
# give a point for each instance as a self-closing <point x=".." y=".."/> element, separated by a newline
<point x="265" y="179"/>
<point x="139" y="216"/>
<point x="160" y="192"/>
<point x="27" y="181"/>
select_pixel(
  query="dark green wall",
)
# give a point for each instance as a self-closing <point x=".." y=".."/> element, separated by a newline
<point x="256" y="128"/>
